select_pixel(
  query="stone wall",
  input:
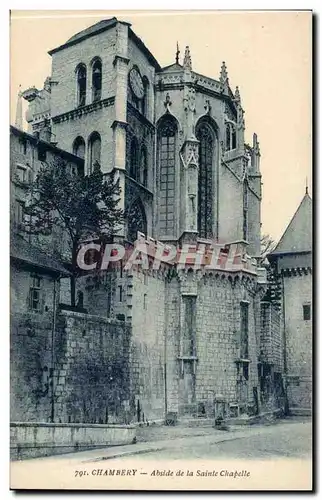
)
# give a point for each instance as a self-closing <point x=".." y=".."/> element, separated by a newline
<point x="30" y="366"/>
<point x="39" y="439"/>
<point x="91" y="378"/>
<point x="92" y="369"/>
<point x="146" y="309"/>
<point x="298" y="333"/>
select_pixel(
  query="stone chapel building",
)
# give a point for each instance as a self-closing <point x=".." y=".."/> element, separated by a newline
<point x="175" y="139"/>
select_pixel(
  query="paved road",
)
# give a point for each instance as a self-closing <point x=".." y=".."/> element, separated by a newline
<point x="289" y="439"/>
<point x="286" y="439"/>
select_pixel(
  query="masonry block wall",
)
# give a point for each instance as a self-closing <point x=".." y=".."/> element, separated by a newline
<point x="91" y="374"/>
<point x="30" y="367"/>
<point x="298" y="333"/>
<point x="147" y="310"/>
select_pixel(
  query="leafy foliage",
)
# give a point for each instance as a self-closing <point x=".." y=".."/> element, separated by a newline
<point x="267" y="245"/>
<point x="84" y="207"/>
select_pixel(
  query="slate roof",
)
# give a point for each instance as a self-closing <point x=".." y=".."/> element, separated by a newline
<point x="297" y="237"/>
<point x="23" y="251"/>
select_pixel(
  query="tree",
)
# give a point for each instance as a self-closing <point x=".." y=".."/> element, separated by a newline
<point x="82" y="206"/>
<point x="267" y="245"/>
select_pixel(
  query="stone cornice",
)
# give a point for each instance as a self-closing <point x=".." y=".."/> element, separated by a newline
<point x="84" y="110"/>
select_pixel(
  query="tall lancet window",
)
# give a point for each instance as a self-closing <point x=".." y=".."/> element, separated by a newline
<point x="81" y="85"/>
<point x="231" y="137"/>
<point x="245" y="210"/>
<point x="95" y="151"/>
<point x="167" y="131"/>
<point x="97" y="80"/>
<point x="206" y="137"/>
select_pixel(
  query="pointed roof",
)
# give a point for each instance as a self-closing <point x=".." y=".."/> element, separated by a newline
<point x="102" y="26"/>
<point x="172" y="67"/>
<point x="297" y="237"/>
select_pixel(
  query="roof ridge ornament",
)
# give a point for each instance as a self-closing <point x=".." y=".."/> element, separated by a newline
<point x="187" y="64"/>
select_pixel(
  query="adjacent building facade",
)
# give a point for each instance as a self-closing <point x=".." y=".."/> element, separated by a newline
<point x="292" y="264"/>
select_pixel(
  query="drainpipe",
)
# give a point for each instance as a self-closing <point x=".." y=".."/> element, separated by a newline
<point x="53" y="334"/>
<point x="165" y="356"/>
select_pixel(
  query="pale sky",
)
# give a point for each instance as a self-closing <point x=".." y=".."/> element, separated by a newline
<point x="268" y="55"/>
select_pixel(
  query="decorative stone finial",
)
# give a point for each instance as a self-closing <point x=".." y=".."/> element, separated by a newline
<point x="306" y="186"/>
<point x="223" y="73"/>
<point x="18" y="121"/>
<point x="256" y="145"/>
<point x="187" y="59"/>
<point x="237" y="95"/>
<point x="177" y="54"/>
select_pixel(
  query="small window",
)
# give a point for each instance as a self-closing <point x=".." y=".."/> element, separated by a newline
<point x="145" y="305"/>
<point x="306" y="312"/>
<point x="41" y="153"/>
<point x="244" y="324"/>
<point x="23" y="146"/>
<point x="120" y="293"/>
<point x="19" y="211"/>
<point x="21" y="173"/>
<point x="34" y="294"/>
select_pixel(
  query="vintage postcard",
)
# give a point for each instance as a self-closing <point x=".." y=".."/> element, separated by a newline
<point x="161" y="250"/>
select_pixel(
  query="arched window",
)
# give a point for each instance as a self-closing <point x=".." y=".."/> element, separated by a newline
<point x="167" y="131"/>
<point x="79" y="147"/>
<point x="231" y="140"/>
<point x="134" y="160"/>
<point x="136" y="220"/>
<point x="94" y="151"/>
<point x="143" y="167"/>
<point x="245" y="210"/>
<point x="96" y="80"/>
<point x="145" y="100"/>
<point x="81" y="85"/>
<point x="206" y="137"/>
